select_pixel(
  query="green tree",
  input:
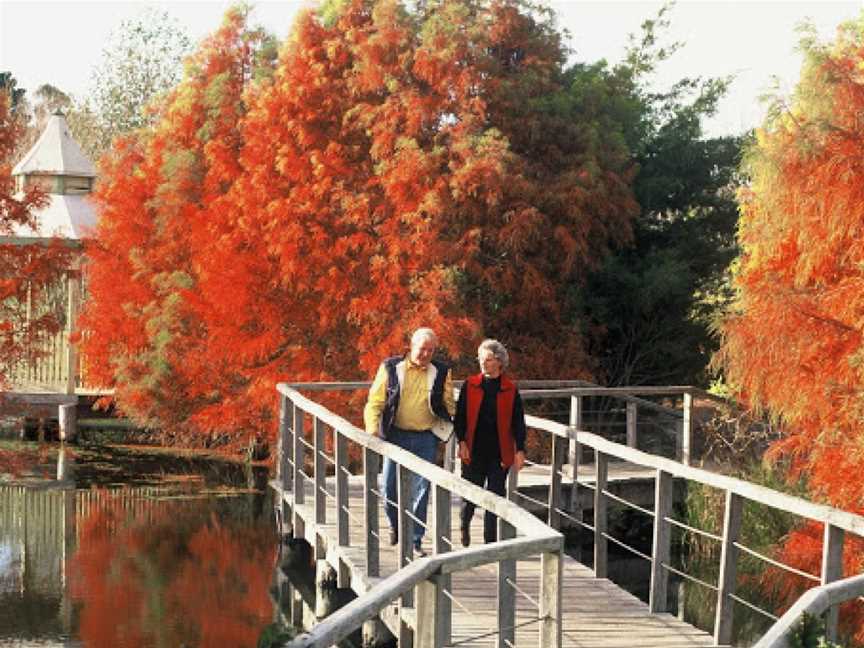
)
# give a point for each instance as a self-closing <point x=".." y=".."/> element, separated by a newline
<point x="9" y="84"/>
<point x="648" y="308"/>
<point x="142" y="60"/>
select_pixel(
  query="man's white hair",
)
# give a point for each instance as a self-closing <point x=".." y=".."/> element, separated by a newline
<point x="422" y="334"/>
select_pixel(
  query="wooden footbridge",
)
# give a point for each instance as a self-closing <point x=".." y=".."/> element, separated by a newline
<point x="524" y="590"/>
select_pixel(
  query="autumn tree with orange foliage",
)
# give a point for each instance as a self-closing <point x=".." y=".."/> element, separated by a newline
<point x="793" y="344"/>
<point x="27" y="272"/>
<point x="402" y="167"/>
<point x="157" y="197"/>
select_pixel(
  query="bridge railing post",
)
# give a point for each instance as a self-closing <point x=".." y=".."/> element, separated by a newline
<point x="832" y="570"/>
<point x="728" y="568"/>
<point x="343" y="518"/>
<point x="551" y="582"/>
<point x="429" y="631"/>
<point x="320" y="473"/>
<point x="371" y="462"/>
<point x="286" y="443"/>
<point x="631" y="424"/>
<point x="601" y="548"/>
<point x="662" y="543"/>
<point x="506" y="593"/>
<point x="299" y="460"/>
<point x="441" y="543"/>
<point x="574" y="454"/>
<point x="684" y="439"/>
<point x="404" y="480"/>
<point x="450" y="454"/>
<point x="559" y="453"/>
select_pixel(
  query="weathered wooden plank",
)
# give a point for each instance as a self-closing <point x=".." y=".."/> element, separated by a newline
<point x="371" y="511"/>
<point x="39" y="398"/>
<point x="551" y="620"/>
<point x="298" y="454"/>
<point x="343" y="537"/>
<point x="320" y="474"/>
<point x="728" y="568"/>
<point x="559" y="454"/>
<point x="684" y="443"/>
<point x="832" y="570"/>
<point x="601" y="545"/>
<point x="442" y="505"/>
<point x="631" y="424"/>
<point x="575" y="454"/>
<point x="662" y="541"/>
<point x="506" y="592"/>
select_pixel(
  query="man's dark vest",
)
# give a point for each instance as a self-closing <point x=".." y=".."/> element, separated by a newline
<point x="391" y="403"/>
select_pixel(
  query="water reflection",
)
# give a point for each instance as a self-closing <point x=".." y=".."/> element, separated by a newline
<point x="186" y="565"/>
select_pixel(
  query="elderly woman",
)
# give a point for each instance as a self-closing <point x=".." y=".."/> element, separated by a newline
<point x="490" y="426"/>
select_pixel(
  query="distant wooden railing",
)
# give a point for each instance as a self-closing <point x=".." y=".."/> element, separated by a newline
<point x="422" y="585"/>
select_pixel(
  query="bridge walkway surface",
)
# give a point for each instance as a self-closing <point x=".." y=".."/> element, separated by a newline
<point x="596" y="613"/>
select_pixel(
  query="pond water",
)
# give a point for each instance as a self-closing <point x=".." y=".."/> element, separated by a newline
<point x="128" y="548"/>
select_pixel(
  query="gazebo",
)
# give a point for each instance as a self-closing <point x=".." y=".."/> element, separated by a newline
<point x="57" y="164"/>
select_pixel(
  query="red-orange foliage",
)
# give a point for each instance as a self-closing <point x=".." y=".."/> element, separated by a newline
<point x="397" y="170"/>
<point x="27" y="272"/>
<point x="146" y="580"/>
<point x="159" y="200"/>
<point x="793" y="344"/>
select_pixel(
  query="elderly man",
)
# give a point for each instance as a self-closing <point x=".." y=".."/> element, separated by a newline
<point x="411" y="405"/>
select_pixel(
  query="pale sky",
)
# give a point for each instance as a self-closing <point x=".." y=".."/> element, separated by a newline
<point x="60" y="41"/>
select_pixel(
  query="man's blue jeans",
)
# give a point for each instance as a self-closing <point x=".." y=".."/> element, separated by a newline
<point x="424" y="445"/>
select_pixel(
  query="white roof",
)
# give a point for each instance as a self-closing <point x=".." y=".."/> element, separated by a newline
<point x="65" y="216"/>
<point x="56" y="153"/>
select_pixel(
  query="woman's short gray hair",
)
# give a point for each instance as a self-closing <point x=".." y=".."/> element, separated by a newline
<point x="497" y="349"/>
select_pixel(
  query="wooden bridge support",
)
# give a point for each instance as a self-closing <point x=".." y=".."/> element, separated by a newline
<point x="375" y="634"/>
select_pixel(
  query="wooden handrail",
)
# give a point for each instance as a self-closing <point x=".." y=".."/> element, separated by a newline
<point x="344" y="621"/>
<point x="815" y="601"/>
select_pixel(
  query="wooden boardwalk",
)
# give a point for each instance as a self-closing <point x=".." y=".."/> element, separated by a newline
<point x="596" y="612"/>
<point x="524" y="590"/>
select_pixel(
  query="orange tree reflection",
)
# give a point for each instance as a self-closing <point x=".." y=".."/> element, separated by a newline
<point x="171" y="573"/>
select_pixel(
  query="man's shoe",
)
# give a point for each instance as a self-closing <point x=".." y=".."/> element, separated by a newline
<point x="418" y="550"/>
<point x="466" y="536"/>
<point x="394" y="537"/>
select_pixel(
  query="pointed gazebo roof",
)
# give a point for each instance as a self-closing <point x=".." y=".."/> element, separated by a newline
<point x="58" y="164"/>
<point x="55" y="153"/>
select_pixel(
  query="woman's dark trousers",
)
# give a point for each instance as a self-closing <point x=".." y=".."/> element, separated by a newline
<point x="494" y="477"/>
